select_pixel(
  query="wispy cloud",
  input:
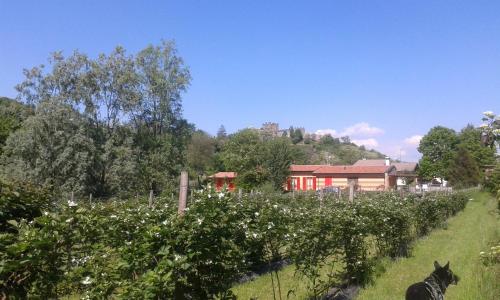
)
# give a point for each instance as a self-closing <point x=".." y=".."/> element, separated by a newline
<point x="362" y="129"/>
<point x="413" y="140"/>
<point x="370" y="143"/>
<point x="322" y="132"/>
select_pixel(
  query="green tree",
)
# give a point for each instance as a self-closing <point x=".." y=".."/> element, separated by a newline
<point x="12" y="115"/>
<point x="464" y="170"/>
<point x="279" y="156"/>
<point x="296" y="135"/>
<point x="51" y="150"/>
<point x="244" y="153"/>
<point x="200" y="153"/>
<point x="129" y="111"/>
<point x="437" y="147"/>
<point x="470" y="139"/>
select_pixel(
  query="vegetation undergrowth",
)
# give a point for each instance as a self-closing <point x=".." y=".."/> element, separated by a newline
<point x="466" y="235"/>
<point x="130" y="250"/>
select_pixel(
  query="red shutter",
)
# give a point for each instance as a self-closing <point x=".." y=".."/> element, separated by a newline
<point x="304" y="183"/>
<point x="314" y="183"/>
<point x="328" y="181"/>
<point x="288" y="184"/>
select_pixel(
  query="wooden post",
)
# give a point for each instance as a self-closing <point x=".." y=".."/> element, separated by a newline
<point x="72" y="196"/>
<point x="150" y="198"/>
<point x="183" y="193"/>
<point x="351" y="191"/>
<point x="240" y="193"/>
<point x="90" y="198"/>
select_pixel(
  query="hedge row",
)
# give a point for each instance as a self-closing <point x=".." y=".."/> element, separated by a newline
<point x="128" y="250"/>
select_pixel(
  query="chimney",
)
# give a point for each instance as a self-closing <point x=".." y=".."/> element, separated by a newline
<point x="387" y="161"/>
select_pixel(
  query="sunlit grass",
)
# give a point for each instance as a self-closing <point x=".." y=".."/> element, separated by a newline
<point x="467" y="234"/>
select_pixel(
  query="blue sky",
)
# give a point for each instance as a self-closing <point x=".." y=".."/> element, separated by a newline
<point x="383" y="71"/>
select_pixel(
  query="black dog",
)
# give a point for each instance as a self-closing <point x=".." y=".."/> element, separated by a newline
<point x="434" y="286"/>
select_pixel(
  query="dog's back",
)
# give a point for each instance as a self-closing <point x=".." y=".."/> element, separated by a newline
<point x="420" y="291"/>
<point x="434" y="286"/>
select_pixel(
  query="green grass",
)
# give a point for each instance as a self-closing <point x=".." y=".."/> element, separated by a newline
<point x="261" y="287"/>
<point x="467" y="234"/>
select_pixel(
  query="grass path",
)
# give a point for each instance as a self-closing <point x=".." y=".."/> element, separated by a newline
<point x="467" y="234"/>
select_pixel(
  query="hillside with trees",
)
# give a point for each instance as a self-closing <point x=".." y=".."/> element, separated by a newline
<point x="112" y="126"/>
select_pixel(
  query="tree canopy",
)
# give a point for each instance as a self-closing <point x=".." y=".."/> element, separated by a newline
<point x="106" y="125"/>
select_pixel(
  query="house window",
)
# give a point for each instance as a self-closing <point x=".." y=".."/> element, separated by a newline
<point x="309" y="183"/>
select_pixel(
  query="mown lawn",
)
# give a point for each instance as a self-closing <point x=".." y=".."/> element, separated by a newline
<point x="467" y="234"/>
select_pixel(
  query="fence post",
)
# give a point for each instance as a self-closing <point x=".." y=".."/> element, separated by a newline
<point x="351" y="191"/>
<point x="90" y="199"/>
<point x="320" y="199"/>
<point x="183" y="193"/>
<point x="240" y="193"/>
<point x="150" y="198"/>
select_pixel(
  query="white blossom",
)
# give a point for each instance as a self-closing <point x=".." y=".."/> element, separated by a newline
<point x="489" y="114"/>
<point x="72" y="203"/>
<point x="87" y="280"/>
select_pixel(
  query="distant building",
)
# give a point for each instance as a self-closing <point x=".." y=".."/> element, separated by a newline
<point x="404" y="170"/>
<point x="222" y="179"/>
<point x="270" y="129"/>
<point x="365" y="178"/>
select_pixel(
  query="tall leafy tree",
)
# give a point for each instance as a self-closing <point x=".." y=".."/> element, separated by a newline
<point x="464" y="170"/>
<point x="470" y="139"/>
<point x="51" y="150"/>
<point x="12" y="115"/>
<point x="163" y="133"/>
<point x="437" y="148"/>
<point x="278" y="158"/>
<point x="200" y="153"/>
<point x="129" y="113"/>
<point x="244" y="153"/>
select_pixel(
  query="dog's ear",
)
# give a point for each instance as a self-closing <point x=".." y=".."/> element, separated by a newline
<point x="436" y="265"/>
<point x="447" y="266"/>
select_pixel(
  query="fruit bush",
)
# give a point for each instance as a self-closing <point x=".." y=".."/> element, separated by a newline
<point x="129" y="250"/>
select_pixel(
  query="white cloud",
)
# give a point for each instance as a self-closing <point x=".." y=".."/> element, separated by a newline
<point x="413" y="140"/>
<point x="362" y="129"/>
<point x="370" y="143"/>
<point x="322" y="132"/>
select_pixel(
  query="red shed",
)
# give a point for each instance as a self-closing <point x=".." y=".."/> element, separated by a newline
<point x="224" y="178"/>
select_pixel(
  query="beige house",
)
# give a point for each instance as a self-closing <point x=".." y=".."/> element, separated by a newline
<point x="365" y="178"/>
<point x="404" y="170"/>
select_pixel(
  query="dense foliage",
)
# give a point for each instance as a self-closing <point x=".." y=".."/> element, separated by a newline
<point x="110" y="126"/>
<point x="129" y="250"/>
<point x="461" y="158"/>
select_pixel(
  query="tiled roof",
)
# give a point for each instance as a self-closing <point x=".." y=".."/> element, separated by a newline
<point x="400" y="166"/>
<point x="370" y="162"/>
<point x="305" y="168"/>
<point x="405" y="167"/>
<point x="225" y="175"/>
<point x="353" y="170"/>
